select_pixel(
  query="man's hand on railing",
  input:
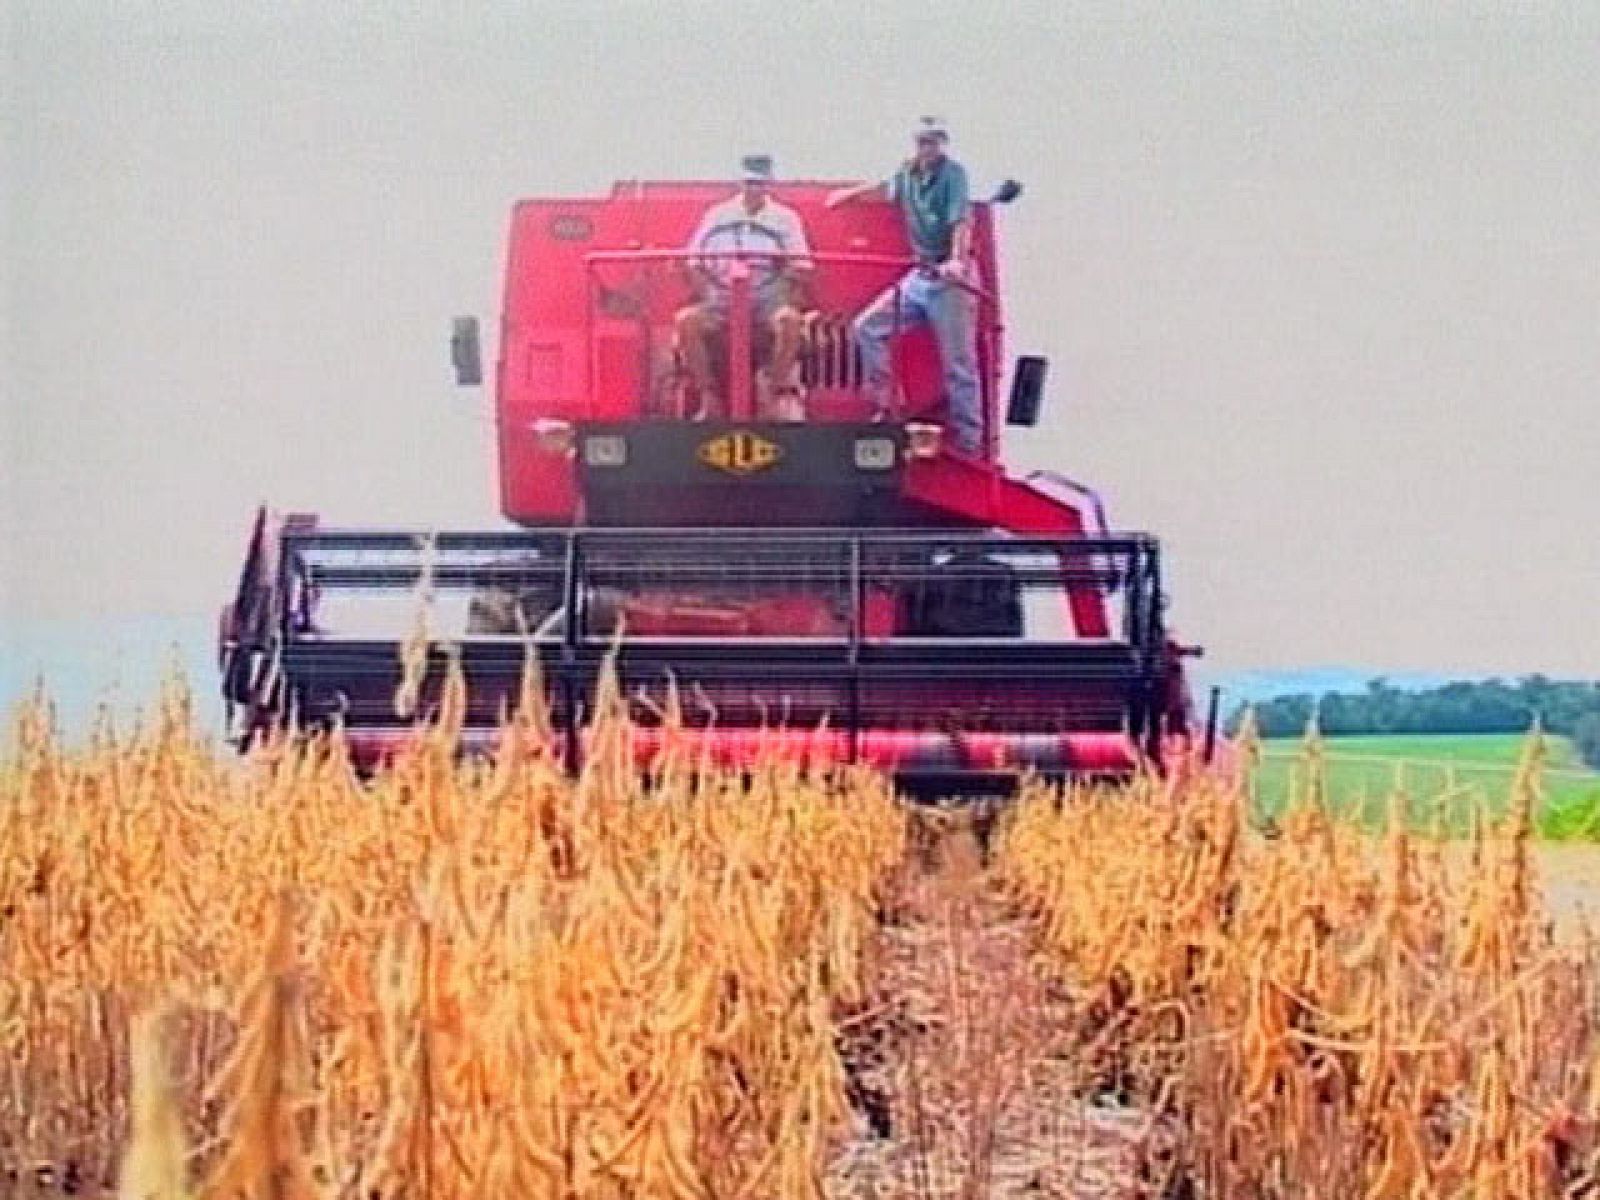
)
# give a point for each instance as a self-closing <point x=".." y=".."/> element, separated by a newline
<point x="958" y="270"/>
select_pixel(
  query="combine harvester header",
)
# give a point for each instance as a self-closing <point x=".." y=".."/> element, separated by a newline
<point x="839" y="582"/>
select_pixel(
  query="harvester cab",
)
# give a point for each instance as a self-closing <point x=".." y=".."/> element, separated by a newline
<point x="845" y="586"/>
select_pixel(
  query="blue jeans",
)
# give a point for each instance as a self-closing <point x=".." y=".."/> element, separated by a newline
<point x="948" y="309"/>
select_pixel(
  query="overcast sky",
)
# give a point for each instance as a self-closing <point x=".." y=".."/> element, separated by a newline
<point x="1321" y="290"/>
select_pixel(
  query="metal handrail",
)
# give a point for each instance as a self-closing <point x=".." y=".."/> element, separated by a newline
<point x="329" y="537"/>
<point x="1055" y="479"/>
<point x="988" y="329"/>
<point x="577" y="559"/>
<point x="827" y="257"/>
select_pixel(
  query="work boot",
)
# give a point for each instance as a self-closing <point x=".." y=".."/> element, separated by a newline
<point x="705" y="406"/>
<point x="788" y="405"/>
<point x="880" y="400"/>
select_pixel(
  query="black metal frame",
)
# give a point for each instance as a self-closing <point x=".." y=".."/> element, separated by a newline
<point x="872" y="677"/>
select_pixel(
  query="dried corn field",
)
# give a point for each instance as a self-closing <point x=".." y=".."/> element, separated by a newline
<point x="225" y="979"/>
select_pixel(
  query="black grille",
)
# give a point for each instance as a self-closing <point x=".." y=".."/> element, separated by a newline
<point x="830" y="357"/>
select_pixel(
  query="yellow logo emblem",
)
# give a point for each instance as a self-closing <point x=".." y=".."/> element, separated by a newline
<point x="740" y="452"/>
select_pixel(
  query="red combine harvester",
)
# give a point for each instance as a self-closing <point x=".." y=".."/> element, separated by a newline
<point x="840" y="587"/>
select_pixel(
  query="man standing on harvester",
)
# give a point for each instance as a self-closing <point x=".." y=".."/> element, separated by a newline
<point x="931" y="191"/>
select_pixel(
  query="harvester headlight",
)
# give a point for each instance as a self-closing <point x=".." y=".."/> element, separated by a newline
<point x="553" y="436"/>
<point x="874" y="453"/>
<point x="922" y="439"/>
<point x="605" y="450"/>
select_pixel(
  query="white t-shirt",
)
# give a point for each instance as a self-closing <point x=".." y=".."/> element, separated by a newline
<point x="729" y="227"/>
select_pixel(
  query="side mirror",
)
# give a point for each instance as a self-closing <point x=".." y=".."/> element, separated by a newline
<point x="465" y="353"/>
<point x="1027" y="390"/>
<point x="1006" y="192"/>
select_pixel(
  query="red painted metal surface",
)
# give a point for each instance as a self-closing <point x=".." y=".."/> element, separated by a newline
<point x="658" y="614"/>
<point x="741" y="399"/>
<point x="591" y="288"/>
<point x="883" y="749"/>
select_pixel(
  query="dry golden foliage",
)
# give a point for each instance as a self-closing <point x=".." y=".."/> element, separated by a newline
<point x="155" y="1167"/>
<point x="456" y="979"/>
<point x="467" y="979"/>
<point x="1320" y="1012"/>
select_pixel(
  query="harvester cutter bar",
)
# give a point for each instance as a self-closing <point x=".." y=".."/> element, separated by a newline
<point x="917" y="634"/>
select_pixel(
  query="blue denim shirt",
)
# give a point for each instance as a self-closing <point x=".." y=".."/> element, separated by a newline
<point x="933" y="204"/>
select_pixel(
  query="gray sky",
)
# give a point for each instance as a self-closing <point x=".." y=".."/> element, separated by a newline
<point x="1321" y="289"/>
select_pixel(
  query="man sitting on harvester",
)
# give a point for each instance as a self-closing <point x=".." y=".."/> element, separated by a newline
<point x="931" y="191"/>
<point x="749" y="222"/>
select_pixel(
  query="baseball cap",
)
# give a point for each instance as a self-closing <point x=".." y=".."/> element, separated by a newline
<point x="931" y="127"/>
<point x="756" y="168"/>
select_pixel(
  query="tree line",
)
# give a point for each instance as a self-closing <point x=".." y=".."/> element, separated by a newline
<point x="1483" y="706"/>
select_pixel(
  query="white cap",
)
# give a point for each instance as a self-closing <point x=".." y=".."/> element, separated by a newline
<point x="933" y="127"/>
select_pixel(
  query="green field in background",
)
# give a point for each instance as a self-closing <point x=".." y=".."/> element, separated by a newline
<point x="1362" y="774"/>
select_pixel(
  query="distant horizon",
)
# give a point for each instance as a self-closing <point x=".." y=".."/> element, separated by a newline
<point x="87" y="662"/>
